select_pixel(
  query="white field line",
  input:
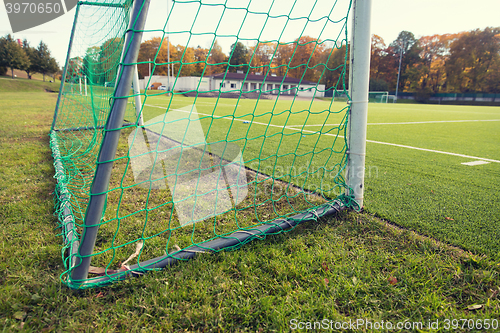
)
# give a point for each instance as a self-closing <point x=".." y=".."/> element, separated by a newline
<point x="219" y="117"/>
<point x="408" y="122"/>
<point x="440" y="110"/>
<point x="434" y="151"/>
<point x="435" y="122"/>
<point x="335" y="135"/>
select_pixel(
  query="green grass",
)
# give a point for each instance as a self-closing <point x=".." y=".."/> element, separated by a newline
<point x="18" y="85"/>
<point x="431" y="193"/>
<point x="434" y="193"/>
<point x="284" y="151"/>
<point x="134" y="214"/>
<point x="351" y="267"/>
<point x="477" y="134"/>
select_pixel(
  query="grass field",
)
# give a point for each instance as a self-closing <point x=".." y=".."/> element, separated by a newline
<point x="431" y="191"/>
<point x="351" y="267"/>
<point x="415" y="175"/>
<point x="34" y="77"/>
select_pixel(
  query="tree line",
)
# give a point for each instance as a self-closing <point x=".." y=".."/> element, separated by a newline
<point x="304" y="58"/>
<point x="449" y="63"/>
<point x="26" y="58"/>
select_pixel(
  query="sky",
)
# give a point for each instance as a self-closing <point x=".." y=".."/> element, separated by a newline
<point x="389" y="17"/>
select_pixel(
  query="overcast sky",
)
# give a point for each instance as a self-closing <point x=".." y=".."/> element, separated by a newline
<point x="389" y="17"/>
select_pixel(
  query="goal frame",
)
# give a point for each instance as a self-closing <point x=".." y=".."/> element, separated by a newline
<point x="384" y="96"/>
<point x="81" y="249"/>
<point x="359" y="77"/>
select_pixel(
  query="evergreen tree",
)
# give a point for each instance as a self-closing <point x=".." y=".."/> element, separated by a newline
<point x="238" y="57"/>
<point x="12" y="55"/>
<point x="32" y="55"/>
<point x="407" y="50"/>
<point x="45" y="64"/>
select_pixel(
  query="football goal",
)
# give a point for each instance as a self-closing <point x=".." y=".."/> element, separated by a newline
<point x="373" y="96"/>
<point x="190" y="127"/>
<point x="378" y="96"/>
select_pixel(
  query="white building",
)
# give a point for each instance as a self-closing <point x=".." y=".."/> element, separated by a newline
<point x="181" y="83"/>
<point x="272" y="85"/>
<point x="228" y="82"/>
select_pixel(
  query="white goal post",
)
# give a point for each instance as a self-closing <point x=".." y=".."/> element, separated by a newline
<point x="378" y="96"/>
<point x="359" y="77"/>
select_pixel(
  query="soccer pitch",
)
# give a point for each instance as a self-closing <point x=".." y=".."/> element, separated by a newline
<point x="415" y="176"/>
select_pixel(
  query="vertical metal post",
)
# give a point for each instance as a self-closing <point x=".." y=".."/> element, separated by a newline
<point x="110" y="139"/>
<point x="399" y="69"/>
<point x="359" y="79"/>
<point x="168" y="53"/>
<point x="85" y="81"/>
<point x="138" y="102"/>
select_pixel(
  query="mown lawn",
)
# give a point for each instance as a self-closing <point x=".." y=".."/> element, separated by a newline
<point x="351" y="267"/>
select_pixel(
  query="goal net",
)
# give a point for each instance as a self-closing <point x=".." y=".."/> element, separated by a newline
<point x="200" y="126"/>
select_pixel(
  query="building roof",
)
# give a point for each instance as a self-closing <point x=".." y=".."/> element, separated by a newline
<point x="260" y="78"/>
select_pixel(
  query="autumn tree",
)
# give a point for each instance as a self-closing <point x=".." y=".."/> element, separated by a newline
<point x="492" y="77"/>
<point x="184" y="61"/>
<point x="147" y="54"/>
<point x="474" y="61"/>
<point x="434" y="53"/>
<point x="387" y="70"/>
<point x="413" y="69"/>
<point x="335" y="74"/>
<point x="200" y="57"/>
<point x="306" y="55"/>
<point x="217" y="60"/>
<point x="261" y="55"/>
<point x="379" y="71"/>
<point x="378" y="51"/>
<point x="154" y="53"/>
<point x="75" y="69"/>
<point x="162" y="64"/>
<point x="281" y="60"/>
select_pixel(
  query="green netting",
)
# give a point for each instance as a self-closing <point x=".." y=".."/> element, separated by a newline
<point x="238" y="139"/>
